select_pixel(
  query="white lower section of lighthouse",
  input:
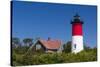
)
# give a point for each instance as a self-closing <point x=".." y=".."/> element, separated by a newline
<point x="77" y="44"/>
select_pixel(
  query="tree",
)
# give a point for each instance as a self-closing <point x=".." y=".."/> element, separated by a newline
<point x="15" y="42"/>
<point x="67" y="47"/>
<point x="28" y="41"/>
<point x="86" y="47"/>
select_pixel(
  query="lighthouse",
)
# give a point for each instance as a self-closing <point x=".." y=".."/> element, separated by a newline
<point x="77" y="34"/>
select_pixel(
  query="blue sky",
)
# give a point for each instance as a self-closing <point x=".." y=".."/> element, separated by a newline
<point x="35" y="19"/>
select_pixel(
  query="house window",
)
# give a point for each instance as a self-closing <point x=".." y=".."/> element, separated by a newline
<point x="38" y="46"/>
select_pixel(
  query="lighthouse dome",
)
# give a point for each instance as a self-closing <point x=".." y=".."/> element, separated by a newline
<point x="76" y="19"/>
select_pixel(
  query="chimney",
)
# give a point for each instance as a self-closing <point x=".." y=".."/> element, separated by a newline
<point x="49" y="38"/>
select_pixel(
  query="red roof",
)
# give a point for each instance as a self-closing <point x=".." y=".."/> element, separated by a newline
<point x="51" y="44"/>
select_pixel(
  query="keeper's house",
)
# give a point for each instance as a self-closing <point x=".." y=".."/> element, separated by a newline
<point x="48" y="45"/>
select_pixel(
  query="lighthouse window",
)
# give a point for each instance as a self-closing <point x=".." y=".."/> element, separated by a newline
<point x="75" y="46"/>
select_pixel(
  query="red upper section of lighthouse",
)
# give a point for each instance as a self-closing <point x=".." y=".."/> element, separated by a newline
<point x="77" y="29"/>
<point x="76" y="25"/>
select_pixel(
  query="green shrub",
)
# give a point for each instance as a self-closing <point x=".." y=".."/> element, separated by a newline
<point x="52" y="58"/>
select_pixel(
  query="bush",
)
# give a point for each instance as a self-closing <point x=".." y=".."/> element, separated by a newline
<point x="52" y="58"/>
